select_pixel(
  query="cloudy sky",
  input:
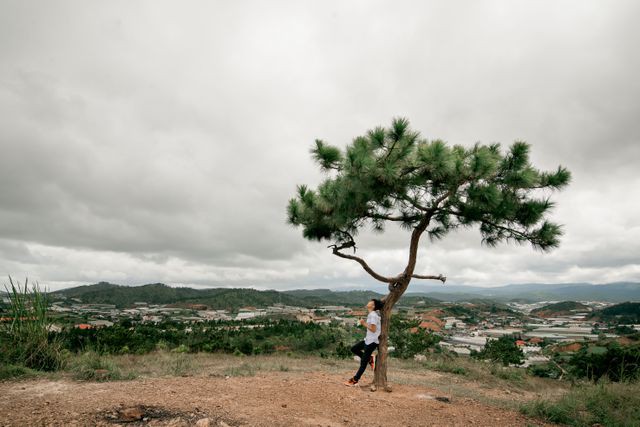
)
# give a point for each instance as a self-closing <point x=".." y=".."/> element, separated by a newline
<point x="157" y="141"/>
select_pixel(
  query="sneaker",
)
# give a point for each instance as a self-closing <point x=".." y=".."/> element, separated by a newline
<point x="351" y="383"/>
<point x="372" y="362"/>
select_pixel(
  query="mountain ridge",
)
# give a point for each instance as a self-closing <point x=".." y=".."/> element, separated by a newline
<point x="159" y="293"/>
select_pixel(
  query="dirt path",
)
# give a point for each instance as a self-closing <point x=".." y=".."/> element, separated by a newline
<point x="269" y="399"/>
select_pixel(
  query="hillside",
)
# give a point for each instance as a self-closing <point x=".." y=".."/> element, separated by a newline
<point x="612" y="292"/>
<point x="158" y="293"/>
<point x="625" y="313"/>
<point x="233" y="298"/>
<point x="564" y="308"/>
<point x="220" y="298"/>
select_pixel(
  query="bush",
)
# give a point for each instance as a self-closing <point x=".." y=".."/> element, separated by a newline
<point x="343" y="351"/>
<point x="406" y="343"/>
<point x="616" y="362"/>
<point x="587" y="405"/>
<point x="503" y="350"/>
<point x="545" y="370"/>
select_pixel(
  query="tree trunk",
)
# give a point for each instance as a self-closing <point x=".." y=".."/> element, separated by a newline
<point x="380" y="376"/>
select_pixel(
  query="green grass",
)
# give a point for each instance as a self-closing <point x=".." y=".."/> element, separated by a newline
<point x="15" y="372"/>
<point x="608" y="404"/>
<point x="24" y="339"/>
<point x="91" y="366"/>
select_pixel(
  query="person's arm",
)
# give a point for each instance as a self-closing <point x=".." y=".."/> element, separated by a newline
<point x="370" y="326"/>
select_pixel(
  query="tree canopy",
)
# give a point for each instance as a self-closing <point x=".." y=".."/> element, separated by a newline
<point x="395" y="175"/>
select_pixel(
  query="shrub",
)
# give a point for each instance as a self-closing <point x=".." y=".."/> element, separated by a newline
<point x="407" y="343"/>
<point x="343" y="351"/>
<point x="503" y="350"/>
<point x="545" y="370"/>
<point x="616" y="362"/>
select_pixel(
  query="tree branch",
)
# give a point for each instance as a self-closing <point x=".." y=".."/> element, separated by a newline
<point x="364" y="265"/>
<point x="400" y="218"/>
<point x="438" y="277"/>
<point x="512" y="231"/>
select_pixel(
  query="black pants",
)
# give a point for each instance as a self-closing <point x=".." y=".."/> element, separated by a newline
<point x="364" y="351"/>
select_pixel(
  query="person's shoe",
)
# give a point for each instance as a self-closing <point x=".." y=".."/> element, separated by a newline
<point x="351" y="383"/>
<point x="372" y="362"/>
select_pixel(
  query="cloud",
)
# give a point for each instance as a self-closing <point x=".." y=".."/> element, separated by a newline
<point x="145" y="143"/>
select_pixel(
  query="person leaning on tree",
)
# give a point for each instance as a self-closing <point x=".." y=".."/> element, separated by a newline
<point x="365" y="348"/>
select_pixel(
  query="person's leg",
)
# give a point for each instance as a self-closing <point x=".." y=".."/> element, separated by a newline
<point x="358" y="348"/>
<point x="364" y="360"/>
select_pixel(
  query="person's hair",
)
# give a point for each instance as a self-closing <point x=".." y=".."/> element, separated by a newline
<point x="377" y="304"/>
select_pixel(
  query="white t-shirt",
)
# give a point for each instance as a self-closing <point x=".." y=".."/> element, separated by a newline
<point x="373" y="319"/>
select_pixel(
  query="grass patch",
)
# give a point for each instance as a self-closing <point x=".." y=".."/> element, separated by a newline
<point x="15" y="371"/>
<point x="244" y="370"/>
<point x="513" y="375"/>
<point x="91" y="366"/>
<point x="182" y="365"/>
<point x="608" y="404"/>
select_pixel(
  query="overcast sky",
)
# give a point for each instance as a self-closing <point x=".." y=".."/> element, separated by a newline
<point x="156" y="141"/>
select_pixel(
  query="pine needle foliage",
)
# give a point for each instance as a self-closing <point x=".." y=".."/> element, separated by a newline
<point x="395" y="175"/>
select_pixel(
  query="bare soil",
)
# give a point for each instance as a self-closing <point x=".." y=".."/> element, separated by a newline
<point x="266" y="399"/>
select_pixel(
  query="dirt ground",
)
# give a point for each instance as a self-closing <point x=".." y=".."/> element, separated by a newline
<point x="266" y="399"/>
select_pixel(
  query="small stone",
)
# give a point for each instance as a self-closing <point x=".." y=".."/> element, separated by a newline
<point x="203" y="422"/>
<point x="284" y="405"/>
<point x="131" y="414"/>
<point x="177" y="422"/>
<point x="223" y="424"/>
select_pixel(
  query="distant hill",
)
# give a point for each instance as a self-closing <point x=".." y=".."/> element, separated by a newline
<point x="611" y="292"/>
<point x="564" y="308"/>
<point x="158" y="293"/>
<point x="625" y="313"/>
<point x="220" y="298"/>
<point x="233" y="298"/>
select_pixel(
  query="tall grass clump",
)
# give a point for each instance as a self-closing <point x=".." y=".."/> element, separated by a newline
<point x="91" y="366"/>
<point x="606" y="404"/>
<point x="24" y="330"/>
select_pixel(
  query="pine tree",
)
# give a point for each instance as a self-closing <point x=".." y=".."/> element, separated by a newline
<point x="393" y="175"/>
